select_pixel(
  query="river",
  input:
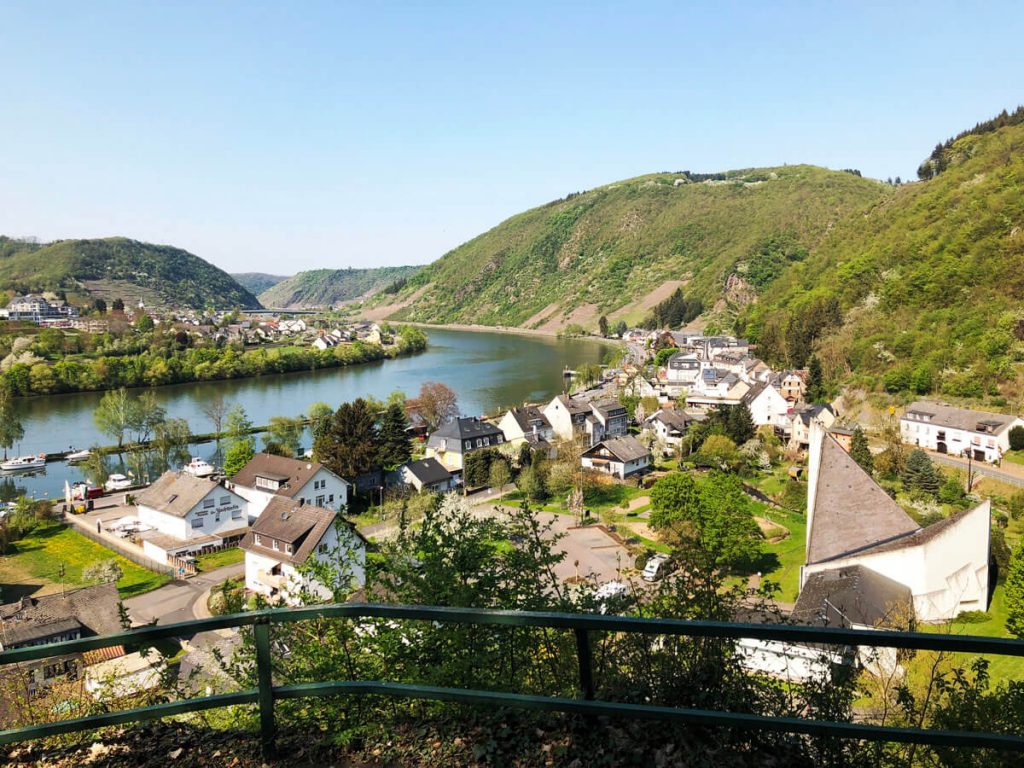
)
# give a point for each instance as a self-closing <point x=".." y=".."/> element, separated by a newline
<point x="488" y="371"/>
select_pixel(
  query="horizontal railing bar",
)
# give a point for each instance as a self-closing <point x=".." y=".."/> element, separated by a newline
<point x="592" y="622"/>
<point x="137" y="715"/>
<point x="644" y="711"/>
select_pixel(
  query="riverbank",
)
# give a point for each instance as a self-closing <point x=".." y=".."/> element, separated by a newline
<point x="197" y="365"/>
<point x="477" y="328"/>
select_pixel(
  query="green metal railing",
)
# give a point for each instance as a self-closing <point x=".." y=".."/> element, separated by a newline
<point x="266" y="693"/>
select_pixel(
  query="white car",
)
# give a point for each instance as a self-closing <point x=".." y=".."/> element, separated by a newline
<point x="656" y="568"/>
<point x="611" y="594"/>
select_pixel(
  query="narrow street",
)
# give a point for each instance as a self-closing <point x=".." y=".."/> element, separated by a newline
<point x="182" y="600"/>
<point x="1008" y="473"/>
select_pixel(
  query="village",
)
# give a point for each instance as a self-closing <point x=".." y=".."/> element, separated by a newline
<point x="842" y="549"/>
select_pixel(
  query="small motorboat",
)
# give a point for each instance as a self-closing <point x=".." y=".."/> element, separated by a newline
<point x="199" y="468"/>
<point x="117" y="483"/>
<point x="76" y="456"/>
<point x="22" y="463"/>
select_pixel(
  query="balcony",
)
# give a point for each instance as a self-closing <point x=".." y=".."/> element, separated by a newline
<point x="579" y="697"/>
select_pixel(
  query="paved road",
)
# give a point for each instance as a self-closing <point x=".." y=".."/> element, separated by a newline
<point x="979" y="468"/>
<point x="180" y="600"/>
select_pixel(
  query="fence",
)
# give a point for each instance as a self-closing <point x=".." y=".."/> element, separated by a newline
<point x="266" y="693"/>
<point x="125" y="552"/>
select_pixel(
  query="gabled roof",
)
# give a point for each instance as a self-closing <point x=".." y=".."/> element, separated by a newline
<point x="35" y="618"/>
<point x="293" y="474"/>
<point x="302" y="526"/>
<point x="959" y="418"/>
<point x="924" y="535"/>
<point x="428" y="471"/>
<point x="841" y="597"/>
<point x="526" y="414"/>
<point x="466" y="428"/>
<point x="624" y="449"/>
<point x="573" y="406"/>
<point x="679" y="420"/>
<point x="176" y="493"/>
<point x="851" y="513"/>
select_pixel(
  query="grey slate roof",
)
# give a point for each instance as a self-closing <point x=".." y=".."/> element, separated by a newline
<point x="573" y="406"/>
<point x="526" y="415"/>
<point x="32" y="618"/>
<point x="428" y="471"/>
<point x="841" y="597"/>
<point x="466" y="428"/>
<point x="851" y="511"/>
<point x="176" y="493"/>
<point x="609" y="408"/>
<point x="678" y="420"/>
<point x="681" y="361"/>
<point x="624" y="449"/>
<point x="959" y="418"/>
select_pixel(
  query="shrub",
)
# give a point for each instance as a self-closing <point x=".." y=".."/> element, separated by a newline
<point x="1017" y="438"/>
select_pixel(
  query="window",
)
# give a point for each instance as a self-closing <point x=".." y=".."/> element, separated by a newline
<point x="330" y="499"/>
<point x="197" y="522"/>
<point x="236" y="514"/>
<point x="288" y="548"/>
<point x="208" y="503"/>
<point x="276" y="545"/>
<point x="256" y="538"/>
<point x="225" y="500"/>
<point x="216" y="518"/>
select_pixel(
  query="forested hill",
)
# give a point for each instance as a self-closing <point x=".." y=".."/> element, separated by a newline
<point x="923" y="294"/>
<point x="116" y="267"/>
<point x="329" y="287"/>
<point x="620" y="249"/>
<point x="257" y="282"/>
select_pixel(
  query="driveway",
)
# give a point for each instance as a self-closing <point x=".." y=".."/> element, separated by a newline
<point x="180" y="600"/>
<point x="981" y="469"/>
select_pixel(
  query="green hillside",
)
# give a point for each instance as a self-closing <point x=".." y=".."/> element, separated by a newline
<point x="619" y="249"/>
<point x="328" y="287"/>
<point x="922" y="294"/>
<point x="257" y="282"/>
<point x="119" y="268"/>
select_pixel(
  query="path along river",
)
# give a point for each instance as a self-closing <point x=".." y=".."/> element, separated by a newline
<point x="488" y="371"/>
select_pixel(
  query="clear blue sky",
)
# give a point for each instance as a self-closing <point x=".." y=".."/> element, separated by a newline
<point x="286" y="136"/>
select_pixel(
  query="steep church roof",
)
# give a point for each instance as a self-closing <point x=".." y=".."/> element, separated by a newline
<point x="850" y="512"/>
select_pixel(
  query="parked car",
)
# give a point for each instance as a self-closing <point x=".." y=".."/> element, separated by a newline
<point x="612" y="596"/>
<point x="656" y="567"/>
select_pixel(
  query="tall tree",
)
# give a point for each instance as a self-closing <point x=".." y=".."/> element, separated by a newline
<point x="171" y="438"/>
<point x="436" y="404"/>
<point x="349" y="447"/>
<point x="284" y="436"/>
<point x="1015" y="592"/>
<point x="215" y="409"/>
<point x="11" y="429"/>
<point x="920" y="473"/>
<point x="740" y="424"/>
<point x="602" y="325"/>
<point x="861" y="452"/>
<point x="815" y="385"/>
<point x="114" y="414"/>
<point x="319" y="416"/>
<point x="240" y="446"/>
<point x="394" y="443"/>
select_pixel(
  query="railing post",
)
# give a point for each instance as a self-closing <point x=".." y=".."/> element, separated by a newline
<point x="261" y="634"/>
<point x="586" y="662"/>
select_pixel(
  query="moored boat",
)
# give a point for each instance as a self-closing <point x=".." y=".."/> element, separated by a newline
<point x="117" y="483"/>
<point x="199" y="468"/>
<point x="78" y="456"/>
<point x="22" y="463"/>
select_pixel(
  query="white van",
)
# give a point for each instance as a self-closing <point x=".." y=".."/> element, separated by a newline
<point x="655" y="568"/>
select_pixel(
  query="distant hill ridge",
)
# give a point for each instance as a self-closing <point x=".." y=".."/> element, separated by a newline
<point x="330" y="287"/>
<point x="257" y="282"/>
<point x="116" y="267"/>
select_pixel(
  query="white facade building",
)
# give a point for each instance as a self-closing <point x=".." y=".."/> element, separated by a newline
<point x="189" y="514"/>
<point x="286" y="537"/>
<point x="303" y="480"/>
<point x="958" y="431"/>
<point x="851" y="521"/>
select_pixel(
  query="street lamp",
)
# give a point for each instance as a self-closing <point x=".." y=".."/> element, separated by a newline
<point x="970" y="468"/>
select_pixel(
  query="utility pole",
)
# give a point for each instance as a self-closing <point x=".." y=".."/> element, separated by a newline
<point x="60" y="570"/>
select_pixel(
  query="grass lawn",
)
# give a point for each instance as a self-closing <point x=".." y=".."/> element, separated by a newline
<point x="214" y="560"/>
<point x="36" y="559"/>
<point x="1000" y="667"/>
<point x="1017" y="457"/>
<point x="789" y="552"/>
